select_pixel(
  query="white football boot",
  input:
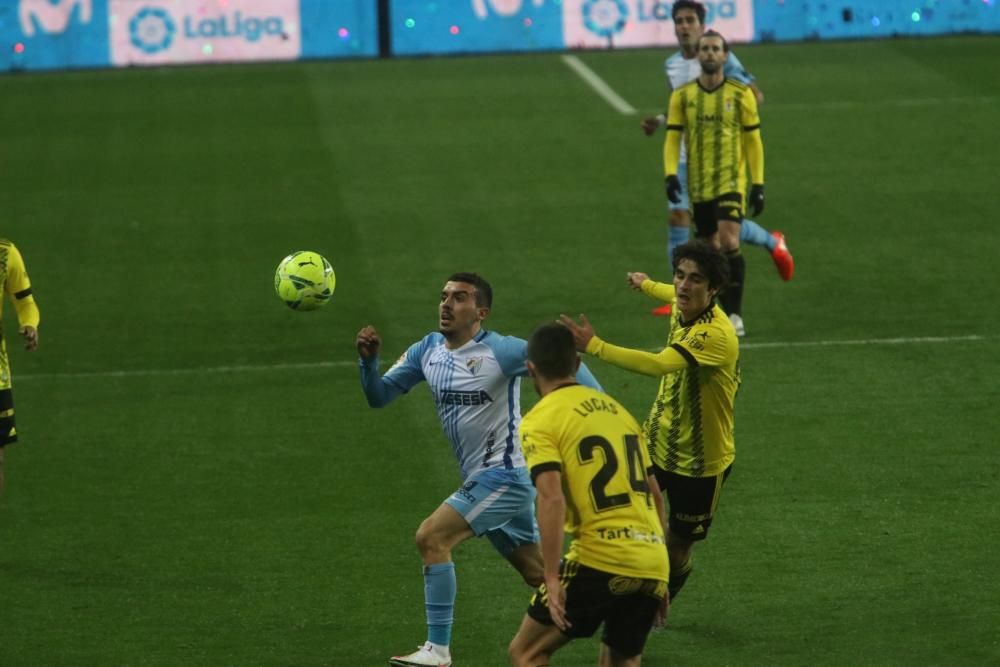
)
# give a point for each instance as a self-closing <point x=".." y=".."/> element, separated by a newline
<point x="428" y="654"/>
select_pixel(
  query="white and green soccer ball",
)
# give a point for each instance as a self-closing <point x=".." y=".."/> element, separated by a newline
<point x="304" y="280"/>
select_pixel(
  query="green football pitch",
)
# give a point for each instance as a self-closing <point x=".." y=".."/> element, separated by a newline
<point x="200" y="481"/>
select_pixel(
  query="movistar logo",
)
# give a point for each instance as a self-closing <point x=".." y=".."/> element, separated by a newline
<point x="51" y="16"/>
<point x="455" y="397"/>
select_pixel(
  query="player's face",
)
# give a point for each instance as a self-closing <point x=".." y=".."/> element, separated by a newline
<point x="458" y="315"/>
<point x="688" y="29"/>
<point x="712" y="54"/>
<point x="693" y="292"/>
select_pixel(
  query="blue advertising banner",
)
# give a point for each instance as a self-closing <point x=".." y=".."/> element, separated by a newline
<point x="781" y="20"/>
<point x="461" y="26"/>
<point x="61" y="34"/>
<point x="53" y="34"/>
<point x="339" y="29"/>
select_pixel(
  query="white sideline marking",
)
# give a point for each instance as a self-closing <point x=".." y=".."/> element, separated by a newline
<point x="599" y="86"/>
<point x="204" y="370"/>
<point x="910" y="102"/>
<point x="313" y="365"/>
<point x="867" y="341"/>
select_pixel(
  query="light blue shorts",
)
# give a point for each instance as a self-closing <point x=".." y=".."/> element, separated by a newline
<point x="499" y="504"/>
<point x="682" y="176"/>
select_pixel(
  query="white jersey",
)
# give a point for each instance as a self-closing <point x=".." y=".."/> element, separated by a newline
<point x="681" y="71"/>
<point x="476" y="390"/>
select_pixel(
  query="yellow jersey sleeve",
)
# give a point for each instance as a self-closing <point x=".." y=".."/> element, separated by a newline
<point x="662" y="291"/>
<point x="753" y="145"/>
<point x="540" y="447"/>
<point x="657" y="364"/>
<point x="18" y="286"/>
<point x="675" y="130"/>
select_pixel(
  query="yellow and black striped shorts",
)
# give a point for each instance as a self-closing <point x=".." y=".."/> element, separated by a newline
<point x="626" y="606"/>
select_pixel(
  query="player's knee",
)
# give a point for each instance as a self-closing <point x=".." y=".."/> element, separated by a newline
<point x="679" y="218"/>
<point x="729" y="238"/>
<point x="426" y="539"/>
<point x="514" y="652"/>
<point x="521" y="655"/>
<point x="679" y="550"/>
<point x="533" y="575"/>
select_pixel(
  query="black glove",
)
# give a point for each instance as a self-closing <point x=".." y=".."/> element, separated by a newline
<point x="674" y="189"/>
<point x="756" y="199"/>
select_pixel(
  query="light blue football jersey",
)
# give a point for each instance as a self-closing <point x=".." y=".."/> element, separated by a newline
<point x="681" y="71"/>
<point x="476" y="390"/>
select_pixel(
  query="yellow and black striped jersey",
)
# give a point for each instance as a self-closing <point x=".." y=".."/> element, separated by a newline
<point x="718" y="127"/>
<point x="690" y="426"/>
<point x="598" y="448"/>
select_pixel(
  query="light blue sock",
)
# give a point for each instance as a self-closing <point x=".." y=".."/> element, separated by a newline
<point x="754" y="234"/>
<point x="677" y="236"/>
<point x="439" y="596"/>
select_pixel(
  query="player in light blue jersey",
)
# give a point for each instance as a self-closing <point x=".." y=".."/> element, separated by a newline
<point x="682" y="68"/>
<point x="474" y="376"/>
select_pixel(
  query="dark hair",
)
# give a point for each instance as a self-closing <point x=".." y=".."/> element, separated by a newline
<point x="710" y="261"/>
<point x="484" y="293"/>
<point x="551" y="349"/>
<point x="714" y="33"/>
<point x="697" y="7"/>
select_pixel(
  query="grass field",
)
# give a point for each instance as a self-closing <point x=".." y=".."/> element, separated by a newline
<point x="200" y="482"/>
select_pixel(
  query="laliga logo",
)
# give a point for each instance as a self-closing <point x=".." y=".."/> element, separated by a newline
<point x="51" y="17"/>
<point x="605" y="18"/>
<point x="236" y="25"/>
<point x="501" y="7"/>
<point x="151" y="30"/>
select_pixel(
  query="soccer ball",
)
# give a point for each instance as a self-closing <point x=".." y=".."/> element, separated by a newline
<point x="304" y="280"/>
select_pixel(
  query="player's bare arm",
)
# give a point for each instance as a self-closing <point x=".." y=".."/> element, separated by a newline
<point x="651" y="124"/>
<point x="30" y="335"/>
<point x="582" y="332"/>
<point x="551" y="515"/>
<point x="368" y="342"/>
<point x="758" y="93"/>
<point x="635" y="279"/>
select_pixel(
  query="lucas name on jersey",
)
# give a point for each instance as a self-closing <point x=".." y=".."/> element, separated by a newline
<point x="592" y="405"/>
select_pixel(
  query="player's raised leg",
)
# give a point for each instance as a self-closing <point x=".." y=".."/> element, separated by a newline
<point x="753" y="233"/>
<point x="439" y="533"/>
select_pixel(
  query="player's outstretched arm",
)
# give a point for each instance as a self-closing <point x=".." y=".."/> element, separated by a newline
<point x="635" y="278"/>
<point x="582" y="331"/>
<point x="651" y="124"/>
<point x="368" y="342"/>
<point x="377" y="390"/>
